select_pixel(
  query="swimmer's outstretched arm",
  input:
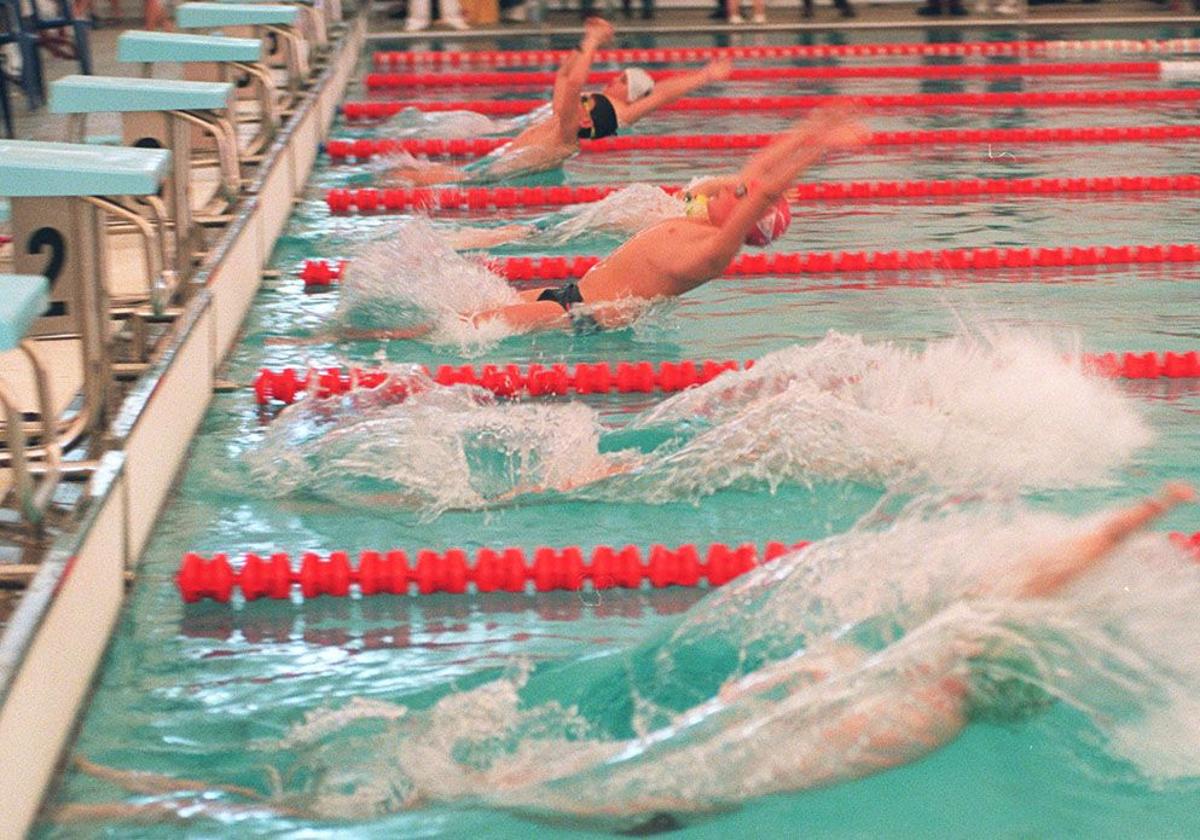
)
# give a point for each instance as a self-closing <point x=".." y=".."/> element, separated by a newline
<point x="572" y="75"/>
<point x="1050" y="573"/>
<point x="768" y="174"/>
<point x="673" y="87"/>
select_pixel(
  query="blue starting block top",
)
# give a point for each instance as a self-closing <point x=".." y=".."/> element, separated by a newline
<point x="23" y="297"/>
<point x="120" y="94"/>
<point x="183" y="47"/>
<point x="35" y="169"/>
<point x="217" y="15"/>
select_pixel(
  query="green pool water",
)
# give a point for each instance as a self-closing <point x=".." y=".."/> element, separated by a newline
<point x="188" y="691"/>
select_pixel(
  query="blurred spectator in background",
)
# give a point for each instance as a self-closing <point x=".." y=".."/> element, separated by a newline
<point x="843" y="6"/>
<point x="998" y="7"/>
<point x="647" y="8"/>
<point x="418" y="15"/>
<point x="513" y="11"/>
<point x="733" y="13"/>
<point x="933" y="8"/>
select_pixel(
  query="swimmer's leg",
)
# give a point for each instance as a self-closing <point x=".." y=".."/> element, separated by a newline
<point x="434" y="173"/>
<point x="527" y="315"/>
<point x="1053" y="571"/>
<point x="472" y="238"/>
<point x="350" y="334"/>
<point x="161" y="812"/>
<point x="140" y="781"/>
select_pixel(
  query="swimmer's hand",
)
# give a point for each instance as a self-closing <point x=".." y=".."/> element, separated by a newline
<point x="718" y="69"/>
<point x="1177" y="492"/>
<point x="597" y="31"/>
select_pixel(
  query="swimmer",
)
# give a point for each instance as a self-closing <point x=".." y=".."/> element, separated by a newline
<point x="574" y="115"/>
<point x="931" y="703"/>
<point x="731" y="211"/>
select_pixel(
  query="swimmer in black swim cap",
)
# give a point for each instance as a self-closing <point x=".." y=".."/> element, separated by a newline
<point x="574" y="116"/>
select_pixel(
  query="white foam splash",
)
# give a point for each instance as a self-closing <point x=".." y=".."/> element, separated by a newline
<point x="627" y="211"/>
<point x="438" y="449"/>
<point x="1006" y="411"/>
<point x="411" y="122"/>
<point x="414" y="276"/>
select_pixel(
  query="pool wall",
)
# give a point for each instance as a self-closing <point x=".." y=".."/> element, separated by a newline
<point x="51" y="650"/>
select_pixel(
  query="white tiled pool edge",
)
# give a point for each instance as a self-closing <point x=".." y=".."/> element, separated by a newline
<point x="62" y="626"/>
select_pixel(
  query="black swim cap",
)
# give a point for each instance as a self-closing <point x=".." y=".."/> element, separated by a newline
<point x="604" y="117"/>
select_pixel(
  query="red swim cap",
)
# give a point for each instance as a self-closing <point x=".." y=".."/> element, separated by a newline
<point x="773" y="224"/>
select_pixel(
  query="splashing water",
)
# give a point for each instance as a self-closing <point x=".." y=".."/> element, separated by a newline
<point x="1006" y="412"/>
<point x="834" y="665"/>
<point x="626" y="211"/>
<point x="411" y="122"/>
<point x="963" y="414"/>
<point x="440" y="448"/>
<point x="414" y="276"/>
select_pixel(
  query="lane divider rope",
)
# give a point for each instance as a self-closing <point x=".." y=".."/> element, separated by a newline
<point x="503" y="570"/>
<point x="538" y="58"/>
<point x="493" y="570"/>
<point x="1095" y="69"/>
<point x="323" y="273"/>
<point x="366" y="148"/>
<point x="370" y="200"/>
<point x="288" y="385"/>
<point x="990" y="99"/>
<point x="535" y="380"/>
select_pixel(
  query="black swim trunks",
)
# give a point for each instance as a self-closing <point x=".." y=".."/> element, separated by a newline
<point x="565" y="296"/>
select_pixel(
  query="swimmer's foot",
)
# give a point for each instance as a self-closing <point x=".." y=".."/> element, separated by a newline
<point x="660" y="823"/>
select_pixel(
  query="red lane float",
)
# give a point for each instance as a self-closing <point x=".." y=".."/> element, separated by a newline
<point x="841" y="262"/>
<point x="660" y="55"/>
<point x="366" y="148"/>
<point x="535" y="380"/>
<point x="479" y="198"/>
<point x="290" y="384"/>
<point x="503" y="570"/>
<point x="933" y="101"/>
<point x="376" y="81"/>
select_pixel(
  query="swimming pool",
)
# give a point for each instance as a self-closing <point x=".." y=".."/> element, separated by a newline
<point x="208" y="691"/>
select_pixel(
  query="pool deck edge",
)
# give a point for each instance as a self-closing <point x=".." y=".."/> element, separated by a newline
<point x="51" y="651"/>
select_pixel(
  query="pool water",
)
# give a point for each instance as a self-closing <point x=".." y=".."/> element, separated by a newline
<point x="212" y="691"/>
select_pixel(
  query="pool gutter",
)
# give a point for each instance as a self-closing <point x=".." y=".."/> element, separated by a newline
<point x="52" y="648"/>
